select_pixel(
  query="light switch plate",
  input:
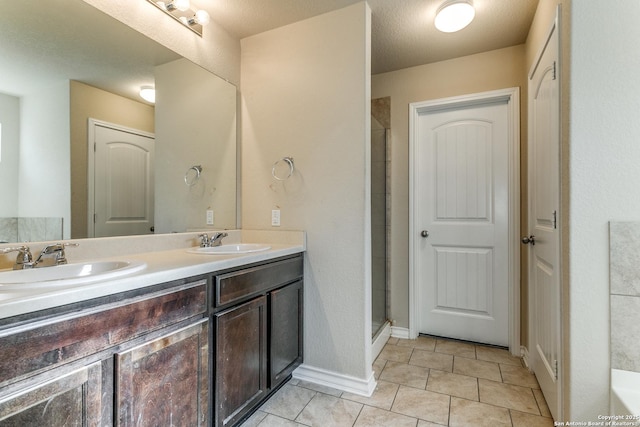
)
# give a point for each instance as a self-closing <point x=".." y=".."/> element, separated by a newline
<point x="275" y="217"/>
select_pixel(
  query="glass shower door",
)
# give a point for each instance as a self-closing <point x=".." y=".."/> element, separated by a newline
<point x="378" y="229"/>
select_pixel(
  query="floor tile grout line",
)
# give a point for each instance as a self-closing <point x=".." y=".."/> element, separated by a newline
<point x="315" y="393"/>
<point x="528" y="388"/>
<point x="535" y="399"/>
<point x="511" y="417"/>
<point x="358" y="416"/>
<point x="500" y="407"/>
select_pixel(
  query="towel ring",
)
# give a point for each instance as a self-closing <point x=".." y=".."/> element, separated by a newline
<point x="190" y="178"/>
<point x="289" y="161"/>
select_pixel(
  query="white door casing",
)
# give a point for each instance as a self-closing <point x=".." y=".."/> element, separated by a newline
<point x="544" y="201"/>
<point x="464" y="191"/>
<point x="121" y="180"/>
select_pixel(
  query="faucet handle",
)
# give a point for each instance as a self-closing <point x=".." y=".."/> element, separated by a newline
<point x="24" y="258"/>
<point x="57" y="247"/>
<point x="204" y="240"/>
<point x="58" y="250"/>
<point x="216" y="239"/>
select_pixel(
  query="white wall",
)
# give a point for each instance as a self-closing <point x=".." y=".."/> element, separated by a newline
<point x="9" y="157"/>
<point x="195" y="125"/>
<point x="306" y="94"/>
<point x="44" y="171"/>
<point x="604" y="181"/>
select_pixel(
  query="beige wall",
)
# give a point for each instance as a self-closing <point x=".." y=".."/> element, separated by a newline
<point x="306" y="94"/>
<point x="196" y="125"/>
<point x="89" y="102"/>
<point x="497" y="69"/>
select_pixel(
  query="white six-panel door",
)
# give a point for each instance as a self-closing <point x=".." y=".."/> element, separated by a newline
<point x="461" y="215"/>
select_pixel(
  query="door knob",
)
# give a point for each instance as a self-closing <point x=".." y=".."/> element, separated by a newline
<point x="424" y="233"/>
<point x="530" y="240"/>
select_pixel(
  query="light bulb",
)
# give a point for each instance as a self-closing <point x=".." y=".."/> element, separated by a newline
<point x="202" y="17"/>
<point x="148" y="93"/>
<point x="454" y="16"/>
<point x="182" y="5"/>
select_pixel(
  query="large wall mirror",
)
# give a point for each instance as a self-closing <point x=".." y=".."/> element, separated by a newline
<point x="68" y="71"/>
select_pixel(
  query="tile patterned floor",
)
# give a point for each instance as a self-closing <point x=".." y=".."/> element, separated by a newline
<point x="427" y="382"/>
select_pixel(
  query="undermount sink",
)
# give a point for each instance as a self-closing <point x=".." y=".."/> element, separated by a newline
<point x="67" y="274"/>
<point x="240" y="248"/>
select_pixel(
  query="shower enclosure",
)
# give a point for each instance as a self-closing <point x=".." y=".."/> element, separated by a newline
<point x="379" y="228"/>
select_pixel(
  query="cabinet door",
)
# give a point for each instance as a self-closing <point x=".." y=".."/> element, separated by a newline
<point x="285" y="323"/>
<point x="240" y="360"/>
<point x="165" y="382"/>
<point x="69" y="399"/>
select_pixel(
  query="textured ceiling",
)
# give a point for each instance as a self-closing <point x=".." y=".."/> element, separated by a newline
<point x="403" y="34"/>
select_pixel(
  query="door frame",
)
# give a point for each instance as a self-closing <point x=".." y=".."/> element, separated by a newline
<point x="91" y="161"/>
<point x="512" y="97"/>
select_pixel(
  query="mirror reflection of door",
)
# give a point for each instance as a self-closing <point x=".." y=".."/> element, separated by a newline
<point x="122" y="190"/>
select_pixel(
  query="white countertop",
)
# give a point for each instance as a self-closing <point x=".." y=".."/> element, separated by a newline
<point x="162" y="266"/>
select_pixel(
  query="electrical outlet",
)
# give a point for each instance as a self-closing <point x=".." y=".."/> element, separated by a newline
<point x="209" y="217"/>
<point x="275" y="217"/>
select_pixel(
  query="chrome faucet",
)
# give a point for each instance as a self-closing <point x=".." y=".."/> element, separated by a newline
<point x="53" y="255"/>
<point x="49" y="256"/>
<point x="215" y="239"/>
<point x="24" y="259"/>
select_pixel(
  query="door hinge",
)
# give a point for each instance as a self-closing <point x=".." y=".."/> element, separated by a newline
<point x="555" y="220"/>
<point x="95" y="218"/>
<point x="553" y="71"/>
<point x="555" y="368"/>
<point x="94" y="147"/>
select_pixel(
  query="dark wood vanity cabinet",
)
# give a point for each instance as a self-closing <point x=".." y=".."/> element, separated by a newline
<point x="165" y="382"/>
<point x="60" y="398"/>
<point x="240" y="360"/>
<point x="285" y="326"/>
<point x="138" y="358"/>
<point x="194" y="352"/>
<point x="257" y="334"/>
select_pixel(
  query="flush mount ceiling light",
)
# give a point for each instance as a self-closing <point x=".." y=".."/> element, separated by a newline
<point x="181" y="11"/>
<point x="148" y="93"/>
<point x="454" y="15"/>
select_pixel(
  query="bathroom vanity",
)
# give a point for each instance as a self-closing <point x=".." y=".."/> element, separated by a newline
<point x="200" y="350"/>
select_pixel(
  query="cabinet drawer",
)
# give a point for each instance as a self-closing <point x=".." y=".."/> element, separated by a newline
<point x="237" y="285"/>
<point x="71" y="337"/>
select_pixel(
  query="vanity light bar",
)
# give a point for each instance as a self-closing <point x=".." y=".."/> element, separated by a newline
<point x="181" y="11"/>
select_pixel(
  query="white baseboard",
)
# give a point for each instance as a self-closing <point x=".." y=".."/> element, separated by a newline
<point x="379" y="341"/>
<point x="335" y="380"/>
<point x="397" y="332"/>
